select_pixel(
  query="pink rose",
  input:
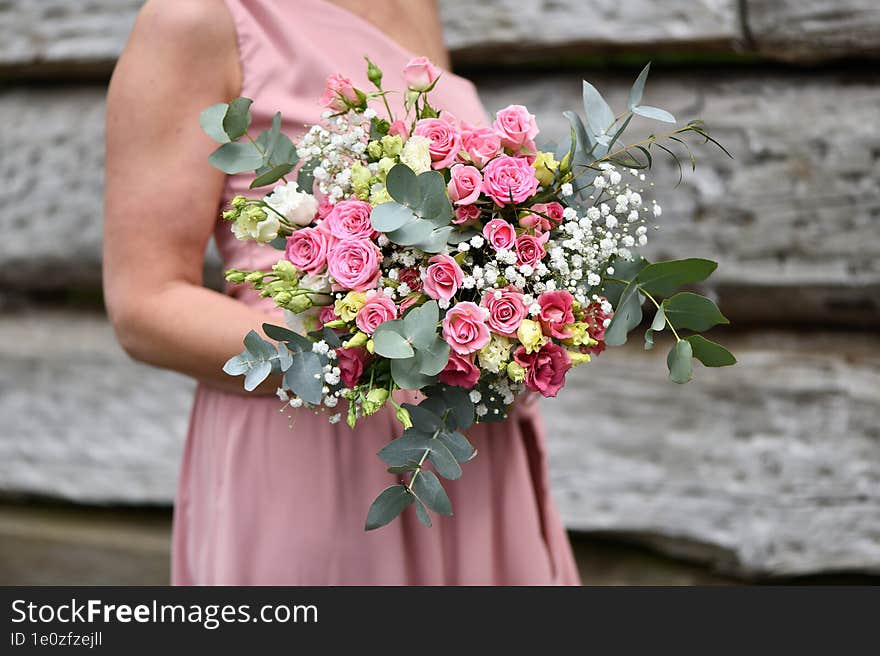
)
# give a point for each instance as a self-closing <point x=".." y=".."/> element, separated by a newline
<point x="529" y="249"/>
<point x="480" y="143"/>
<point x="350" y="219"/>
<point x="460" y="371"/>
<point x="509" y="180"/>
<point x="595" y="319"/>
<point x="307" y="250"/>
<point x="444" y="137"/>
<point x="500" y="234"/>
<point x="378" y="309"/>
<point x="409" y="302"/>
<point x="338" y="93"/>
<point x="398" y="128"/>
<point x="442" y="278"/>
<point x="412" y="277"/>
<point x="528" y="151"/>
<point x="466" y="214"/>
<point x="420" y="73"/>
<point x="542" y="217"/>
<point x="465" y="329"/>
<point x="555" y="313"/>
<point x="545" y="368"/>
<point x="506" y="310"/>
<point x="324" y="208"/>
<point x="325" y="315"/>
<point x="351" y="364"/>
<point x="464" y="184"/>
<point x="516" y="127"/>
<point x="354" y="264"/>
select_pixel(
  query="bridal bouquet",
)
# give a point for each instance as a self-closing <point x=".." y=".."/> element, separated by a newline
<point x="420" y="252"/>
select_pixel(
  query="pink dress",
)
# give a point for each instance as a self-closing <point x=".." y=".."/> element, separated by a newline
<point x="260" y="503"/>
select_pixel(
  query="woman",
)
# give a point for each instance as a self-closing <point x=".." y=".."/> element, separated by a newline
<point x="259" y="502"/>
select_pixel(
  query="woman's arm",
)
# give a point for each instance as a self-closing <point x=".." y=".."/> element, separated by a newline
<point x="162" y="197"/>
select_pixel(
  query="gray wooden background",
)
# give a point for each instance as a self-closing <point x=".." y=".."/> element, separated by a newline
<point x="769" y="468"/>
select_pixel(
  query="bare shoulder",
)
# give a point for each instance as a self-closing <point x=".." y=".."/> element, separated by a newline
<point x="197" y="36"/>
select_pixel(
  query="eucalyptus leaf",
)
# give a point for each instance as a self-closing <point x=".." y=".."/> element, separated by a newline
<point x="458" y="445"/>
<point x="427" y="487"/>
<point x="412" y="233"/>
<point x="388" y="505"/>
<point x="407" y="374"/>
<point x="710" y="353"/>
<point x="424" y="420"/>
<point x="211" y="120"/>
<point x="422" y="513"/>
<point x="405" y="449"/>
<point x="305" y="177"/>
<point x="434" y="202"/>
<point x="654" y="113"/>
<point x="433" y="359"/>
<point x="436" y="240"/>
<point x="680" y="362"/>
<point x="305" y="376"/>
<point x="665" y="278"/>
<point x="659" y="322"/>
<point x="281" y="334"/>
<point x="599" y="115"/>
<point x="271" y="176"/>
<point x="638" y="88"/>
<point x="456" y="399"/>
<point x="627" y="315"/>
<point x="649" y="339"/>
<point x="692" y="311"/>
<point x="232" y="158"/>
<point x="258" y="347"/>
<point x="420" y="324"/>
<point x="237" y="118"/>
<point x="279" y="243"/>
<point x="390" y="216"/>
<point x="389" y="342"/>
<point x="403" y="186"/>
<point x="623" y="270"/>
<point x="444" y="462"/>
<point x="285" y="357"/>
<point x="259" y="372"/>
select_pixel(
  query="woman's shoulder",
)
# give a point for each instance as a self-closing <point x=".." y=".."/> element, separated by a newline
<point x="198" y="34"/>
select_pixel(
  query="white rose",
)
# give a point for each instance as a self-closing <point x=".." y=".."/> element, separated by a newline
<point x="415" y="154"/>
<point x="296" y="206"/>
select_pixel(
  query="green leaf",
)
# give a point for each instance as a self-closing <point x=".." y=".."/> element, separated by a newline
<point x="600" y="118"/>
<point x="388" y="505"/>
<point x="692" y="311"/>
<point x="211" y="120"/>
<point x="436" y="241"/>
<point x="257" y="346"/>
<point x="403" y="186"/>
<point x="427" y="487"/>
<point x="623" y="270"/>
<point x="269" y="140"/>
<point x="649" y="339"/>
<point x="305" y="178"/>
<point x="237" y="118"/>
<point x="389" y="341"/>
<point x="680" y="362"/>
<point x="627" y="316"/>
<point x="444" y="462"/>
<point x="434" y="202"/>
<point x="279" y="243"/>
<point x="403" y="469"/>
<point x="458" y="445"/>
<point x="638" y="88"/>
<point x="232" y="158"/>
<point x="414" y="232"/>
<point x="259" y="372"/>
<point x="407" y="374"/>
<point x="294" y="339"/>
<point x="305" y="376"/>
<point x="420" y="324"/>
<point x="710" y="353"/>
<point x="456" y="399"/>
<point x="664" y="278"/>
<point x="654" y="113"/>
<point x="659" y="322"/>
<point x="422" y="514"/>
<point x="433" y="359"/>
<point x="271" y="176"/>
<point x="584" y="142"/>
<point x="390" y="216"/>
<point x="406" y="449"/>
